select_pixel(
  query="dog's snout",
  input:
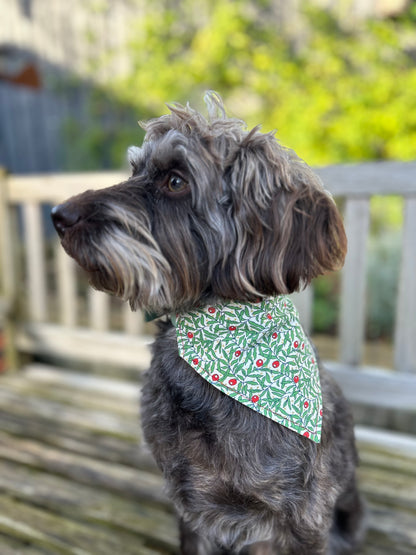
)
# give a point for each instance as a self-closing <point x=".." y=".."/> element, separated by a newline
<point x="64" y="216"/>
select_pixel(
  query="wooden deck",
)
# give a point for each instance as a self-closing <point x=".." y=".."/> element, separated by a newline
<point x="76" y="479"/>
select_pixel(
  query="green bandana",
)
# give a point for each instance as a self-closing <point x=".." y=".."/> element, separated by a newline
<point x="258" y="354"/>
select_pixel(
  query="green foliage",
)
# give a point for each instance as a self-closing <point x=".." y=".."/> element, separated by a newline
<point x="99" y="139"/>
<point x="334" y="94"/>
<point x="386" y="214"/>
<point x="325" y="306"/>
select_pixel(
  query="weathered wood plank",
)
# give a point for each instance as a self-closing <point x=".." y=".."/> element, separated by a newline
<point x="359" y="180"/>
<point x="94" y="506"/>
<point x="99" y="421"/>
<point x="80" y="441"/>
<point x="352" y="317"/>
<point x="98" y="310"/>
<point x="12" y="546"/>
<point x="35" y="262"/>
<point x="370" y="178"/>
<point x="405" y="332"/>
<point x="53" y="380"/>
<point x="133" y="321"/>
<point x="393" y="443"/>
<point x="54" y="188"/>
<point x="390" y="532"/>
<point x="63" y="536"/>
<point x="375" y="386"/>
<point x="129" y="482"/>
<point x="67" y="287"/>
<point x="85" y="344"/>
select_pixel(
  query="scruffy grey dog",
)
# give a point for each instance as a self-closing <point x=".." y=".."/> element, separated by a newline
<point x="216" y="213"/>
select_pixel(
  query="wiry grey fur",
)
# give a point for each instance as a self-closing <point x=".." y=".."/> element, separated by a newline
<point x="214" y="211"/>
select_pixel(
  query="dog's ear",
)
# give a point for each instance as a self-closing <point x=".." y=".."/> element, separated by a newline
<point x="288" y="227"/>
<point x="312" y="236"/>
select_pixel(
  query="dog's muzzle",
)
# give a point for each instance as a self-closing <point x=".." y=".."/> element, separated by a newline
<point x="65" y="216"/>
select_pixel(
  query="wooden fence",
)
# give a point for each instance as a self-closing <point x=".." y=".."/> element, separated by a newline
<point x="52" y="312"/>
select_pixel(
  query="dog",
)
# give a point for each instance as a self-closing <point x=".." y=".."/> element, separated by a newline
<point x="215" y="227"/>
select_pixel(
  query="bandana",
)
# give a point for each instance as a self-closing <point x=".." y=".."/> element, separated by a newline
<point x="258" y="354"/>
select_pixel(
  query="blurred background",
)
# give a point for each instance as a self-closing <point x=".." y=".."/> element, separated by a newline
<point x="337" y="81"/>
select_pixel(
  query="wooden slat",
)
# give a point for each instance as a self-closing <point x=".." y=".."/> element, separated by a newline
<point x="303" y="301"/>
<point x="375" y="387"/>
<point x="128" y="481"/>
<point x="99" y="310"/>
<point x="46" y="529"/>
<point x="67" y="287"/>
<point x="133" y="321"/>
<point x="370" y="178"/>
<point x="360" y="180"/>
<point x="352" y="318"/>
<point x="35" y="261"/>
<point x="53" y="188"/>
<point x="85" y="344"/>
<point x="405" y="332"/>
<point x="7" y="283"/>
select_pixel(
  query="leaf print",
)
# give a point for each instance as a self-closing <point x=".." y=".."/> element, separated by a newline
<point x="241" y="362"/>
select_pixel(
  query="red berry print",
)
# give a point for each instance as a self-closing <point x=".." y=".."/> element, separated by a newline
<point x="215" y="377"/>
<point x="190" y="334"/>
<point x="296" y="379"/>
<point x="269" y="316"/>
<point x="211" y="310"/>
<point x="306" y="434"/>
<point x="259" y="363"/>
<point x="195" y="361"/>
<point x="321" y="412"/>
<point x="303" y="346"/>
<point x="255" y="398"/>
<point x="296" y="344"/>
<point x="306" y="404"/>
<point x="237" y="353"/>
<point x="233" y="381"/>
<point x="276" y="364"/>
<point x="313" y="361"/>
<point x="274" y="335"/>
<point x="232" y="328"/>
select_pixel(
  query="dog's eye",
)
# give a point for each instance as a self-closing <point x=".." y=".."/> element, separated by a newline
<point x="176" y="184"/>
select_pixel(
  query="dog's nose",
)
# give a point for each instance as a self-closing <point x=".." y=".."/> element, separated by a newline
<point x="64" y="216"/>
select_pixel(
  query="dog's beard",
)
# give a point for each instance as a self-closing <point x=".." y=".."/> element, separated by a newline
<point x="134" y="270"/>
<point x="131" y="270"/>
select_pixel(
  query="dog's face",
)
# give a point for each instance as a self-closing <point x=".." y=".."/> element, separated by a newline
<point x="211" y="210"/>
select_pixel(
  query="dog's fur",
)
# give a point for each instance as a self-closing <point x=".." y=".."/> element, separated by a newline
<point x="213" y="211"/>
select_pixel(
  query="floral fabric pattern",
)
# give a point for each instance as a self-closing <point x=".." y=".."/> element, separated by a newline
<point x="258" y="354"/>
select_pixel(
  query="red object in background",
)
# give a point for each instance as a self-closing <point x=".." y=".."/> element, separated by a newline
<point x="27" y="77"/>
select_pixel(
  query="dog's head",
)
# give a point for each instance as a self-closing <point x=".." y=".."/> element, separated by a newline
<point x="211" y="210"/>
